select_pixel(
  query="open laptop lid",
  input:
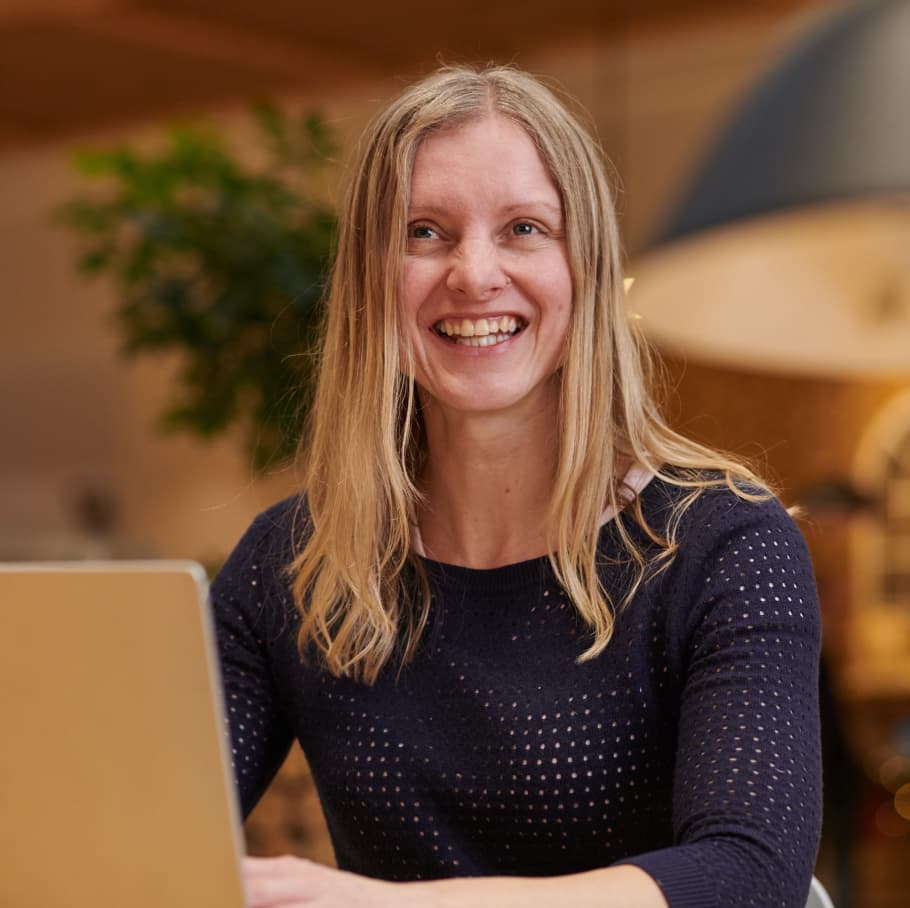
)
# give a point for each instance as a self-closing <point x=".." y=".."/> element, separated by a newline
<point x="115" y="780"/>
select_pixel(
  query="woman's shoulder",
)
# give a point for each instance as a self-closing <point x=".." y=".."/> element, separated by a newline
<point x="701" y="505"/>
<point x="281" y="521"/>
<point x="270" y="541"/>
<point x="732" y="542"/>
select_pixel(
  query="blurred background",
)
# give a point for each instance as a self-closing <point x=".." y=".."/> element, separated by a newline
<point x="90" y="361"/>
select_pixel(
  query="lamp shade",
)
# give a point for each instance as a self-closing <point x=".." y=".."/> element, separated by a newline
<point x="790" y="249"/>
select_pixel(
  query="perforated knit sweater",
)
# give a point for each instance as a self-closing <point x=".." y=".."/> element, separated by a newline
<point x="689" y="747"/>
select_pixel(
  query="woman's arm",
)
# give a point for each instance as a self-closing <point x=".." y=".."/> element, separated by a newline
<point x="625" y="887"/>
<point x="244" y="599"/>
<point x="293" y="883"/>
<point x="747" y="780"/>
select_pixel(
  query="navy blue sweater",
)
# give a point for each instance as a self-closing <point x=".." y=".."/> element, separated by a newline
<point x="689" y="747"/>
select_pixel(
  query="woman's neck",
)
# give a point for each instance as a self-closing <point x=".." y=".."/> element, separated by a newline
<point x="487" y="483"/>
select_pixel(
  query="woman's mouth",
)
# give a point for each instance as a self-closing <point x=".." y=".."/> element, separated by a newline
<point x="479" y="332"/>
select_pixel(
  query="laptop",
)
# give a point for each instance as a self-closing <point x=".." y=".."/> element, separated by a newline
<point x="115" y="781"/>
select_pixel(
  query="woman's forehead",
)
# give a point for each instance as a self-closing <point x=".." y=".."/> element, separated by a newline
<point x="494" y="155"/>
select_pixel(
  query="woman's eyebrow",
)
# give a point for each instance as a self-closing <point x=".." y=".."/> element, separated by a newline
<point x="507" y="210"/>
<point x="424" y="210"/>
<point x="532" y="205"/>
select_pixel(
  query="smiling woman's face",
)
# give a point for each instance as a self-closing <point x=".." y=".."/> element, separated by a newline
<point x="487" y="295"/>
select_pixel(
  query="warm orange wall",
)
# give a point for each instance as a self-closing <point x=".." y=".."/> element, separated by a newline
<point x="802" y="429"/>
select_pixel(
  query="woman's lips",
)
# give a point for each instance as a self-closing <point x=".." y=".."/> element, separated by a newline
<point x="479" y="332"/>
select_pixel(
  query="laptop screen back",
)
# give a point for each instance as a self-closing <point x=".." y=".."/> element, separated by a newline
<point x="115" y="782"/>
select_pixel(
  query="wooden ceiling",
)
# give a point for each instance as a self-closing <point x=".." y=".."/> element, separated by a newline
<point x="75" y="66"/>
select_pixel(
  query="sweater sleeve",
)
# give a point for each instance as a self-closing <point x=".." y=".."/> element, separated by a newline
<point x="747" y="779"/>
<point x="246" y="595"/>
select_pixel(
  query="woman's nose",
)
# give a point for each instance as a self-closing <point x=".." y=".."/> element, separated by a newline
<point x="476" y="269"/>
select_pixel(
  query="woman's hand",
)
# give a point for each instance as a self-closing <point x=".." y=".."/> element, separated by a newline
<point x="289" y="882"/>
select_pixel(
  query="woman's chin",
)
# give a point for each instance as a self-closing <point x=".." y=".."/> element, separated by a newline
<point x="483" y="401"/>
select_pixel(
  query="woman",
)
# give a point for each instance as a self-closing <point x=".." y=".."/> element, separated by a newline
<point x="538" y="648"/>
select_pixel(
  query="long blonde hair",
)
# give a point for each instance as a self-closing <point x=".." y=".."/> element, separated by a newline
<point x="354" y="572"/>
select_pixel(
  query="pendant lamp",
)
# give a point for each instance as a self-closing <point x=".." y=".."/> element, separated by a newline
<point x="790" y="249"/>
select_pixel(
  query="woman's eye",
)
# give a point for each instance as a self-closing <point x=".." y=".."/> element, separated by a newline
<point x="523" y="228"/>
<point x="420" y="232"/>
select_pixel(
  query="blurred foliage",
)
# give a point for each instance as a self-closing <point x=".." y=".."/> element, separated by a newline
<point x="221" y="261"/>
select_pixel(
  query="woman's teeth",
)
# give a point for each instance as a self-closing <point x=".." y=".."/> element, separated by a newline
<point x="481" y="332"/>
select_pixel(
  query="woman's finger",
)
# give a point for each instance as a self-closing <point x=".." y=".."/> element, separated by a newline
<point x="279" y="881"/>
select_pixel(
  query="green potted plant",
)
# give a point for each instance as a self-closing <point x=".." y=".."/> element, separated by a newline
<point x="221" y="261"/>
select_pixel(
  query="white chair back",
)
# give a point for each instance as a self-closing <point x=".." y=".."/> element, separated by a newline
<point x="818" y="898"/>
